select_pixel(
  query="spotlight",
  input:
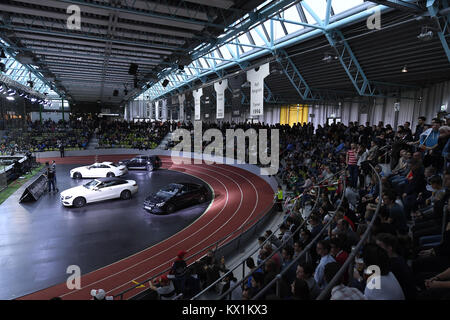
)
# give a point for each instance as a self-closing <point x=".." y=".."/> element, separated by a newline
<point x="33" y="100"/>
<point x="425" y="35"/>
<point x="11" y="92"/>
<point x="405" y="69"/>
<point x="2" y="55"/>
<point x="165" y="83"/>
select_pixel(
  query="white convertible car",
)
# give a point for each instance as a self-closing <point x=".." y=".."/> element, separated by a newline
<point x="99" y="170"/>
<point x="99" y="190"/>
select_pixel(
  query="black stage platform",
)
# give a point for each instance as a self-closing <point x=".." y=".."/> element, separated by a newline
<point x="39" y="240"/>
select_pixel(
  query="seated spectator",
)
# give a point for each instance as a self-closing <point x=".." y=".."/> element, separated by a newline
<point x="399" y="268"/>
<point x="396" y="215"/>
<point x="340" y="291"/>
<point x="384" y="286"/>
<point x="323" y="250"/>
<point x="437" y="287"/>
<point x="165" y="289"/>
<point x="337" y="252"/>
<point x="305" y="272"/>
<point x="300" y="290"/>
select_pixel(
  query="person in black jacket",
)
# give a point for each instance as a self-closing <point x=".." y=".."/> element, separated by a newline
<point x="399" y="267"/>
<point x="416" y="184"/>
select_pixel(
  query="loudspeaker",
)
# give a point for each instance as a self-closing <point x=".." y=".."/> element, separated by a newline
<point x="133" y="68"/>
<point x="115" y="93"/>
<point x="165" y="83"/>
<point x="35" y="190"/>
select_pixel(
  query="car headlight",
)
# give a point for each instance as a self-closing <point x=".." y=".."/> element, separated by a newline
<point x="160" y="204"/>
<point x="67" y="197"/>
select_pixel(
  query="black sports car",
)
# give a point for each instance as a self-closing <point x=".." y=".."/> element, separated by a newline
<point x="175" y="196"/>
<point x="143" y="162"/>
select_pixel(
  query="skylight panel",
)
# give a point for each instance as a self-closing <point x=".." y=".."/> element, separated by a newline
<point x="340" y="6"/>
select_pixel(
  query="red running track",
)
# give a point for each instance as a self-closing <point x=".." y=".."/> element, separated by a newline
<point x="240" y="197"/>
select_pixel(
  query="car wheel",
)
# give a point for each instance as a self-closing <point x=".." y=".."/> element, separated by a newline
<point x="110" y="175"/>
<point x="170" y="208"/>
<point x="77" y="175"/>
<point x="125" y="195"/>
<point x="202" y="198"/>
<point x="149" y="167"/>
<point x="79" y="202"/>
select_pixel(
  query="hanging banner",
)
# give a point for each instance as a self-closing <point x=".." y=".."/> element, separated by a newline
<point x="235" y="84"/>
<point x="157" y="110"/>
<point x="220" y="96"/>
<point x="164" y="110"/>
<point x="208" y="102"/>
<point x="149" y="109"/>
<point x="181" y="99"/>
<point x="197" y="95"/>
<point x="256" y="78"/>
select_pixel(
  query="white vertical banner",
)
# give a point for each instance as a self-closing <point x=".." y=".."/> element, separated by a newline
<point x="164" y="110"/>
<point x="157" y="110"/>
<point x="256" y="78"/>
<point x="181" y="99"/>
<point x="149" y="109"/>
<point x="220" y="88"/>
<point x="197" y="95"/>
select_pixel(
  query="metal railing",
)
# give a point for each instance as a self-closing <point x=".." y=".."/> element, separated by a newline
<point x="325" y="292"/>
<point x="279" y="276"/>
<point x="292" y="235"/>
<point x="242" y="263"/>
<point x="201" y="252"/>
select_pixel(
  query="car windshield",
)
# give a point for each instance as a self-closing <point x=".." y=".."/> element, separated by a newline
<point x="114" y="164"/>
<point x="169" y="190"/>
<point x="92" y="184"/>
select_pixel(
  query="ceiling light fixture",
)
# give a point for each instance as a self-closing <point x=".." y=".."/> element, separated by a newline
<point x="405" y="69"/>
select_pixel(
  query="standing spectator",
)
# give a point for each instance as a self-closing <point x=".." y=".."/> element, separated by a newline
<point x="51" y="180"/>
<point x="54" y="168"/>
<point x="419" y="128"/>
<point x="61" y="149"/>
<point x="279" y="197"/>
<point x="230" y="281"/>
<point x="352" y="167"/>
